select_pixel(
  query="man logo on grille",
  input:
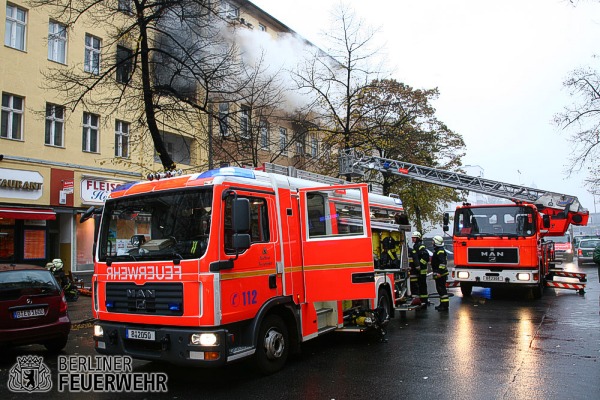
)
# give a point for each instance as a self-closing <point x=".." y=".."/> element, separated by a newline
<point x="29" y="374"/>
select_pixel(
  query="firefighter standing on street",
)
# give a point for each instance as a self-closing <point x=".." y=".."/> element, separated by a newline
<point x="440" y="272"/>
<point x="420" y="257"/>
<point x="414" y="273"/>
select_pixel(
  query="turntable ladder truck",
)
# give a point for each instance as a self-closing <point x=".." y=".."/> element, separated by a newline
<point x="495" y="245"/>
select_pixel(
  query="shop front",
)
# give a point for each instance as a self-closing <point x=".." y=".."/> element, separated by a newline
<point x="24" y="227"/>
<point x="40" y="213"/>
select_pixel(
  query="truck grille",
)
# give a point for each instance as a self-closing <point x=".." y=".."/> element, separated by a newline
<point x="482" y="255"/>
<point x="149" y="299"/>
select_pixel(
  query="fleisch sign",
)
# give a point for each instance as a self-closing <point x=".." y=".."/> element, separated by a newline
<point x="95" y="191"/>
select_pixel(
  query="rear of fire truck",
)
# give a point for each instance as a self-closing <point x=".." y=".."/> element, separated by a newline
<point x="497" y="246"/>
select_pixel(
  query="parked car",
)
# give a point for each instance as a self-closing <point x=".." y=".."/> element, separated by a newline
<point x="585" y="252"/>
<point x="563" y="248"/>
<point x="579" y="238"/>
<point x="33" y="309"/>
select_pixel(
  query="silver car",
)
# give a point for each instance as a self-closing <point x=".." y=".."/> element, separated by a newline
<point x="585" y="252"/>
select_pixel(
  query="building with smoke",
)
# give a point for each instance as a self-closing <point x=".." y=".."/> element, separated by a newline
<point x="74" y="118"/>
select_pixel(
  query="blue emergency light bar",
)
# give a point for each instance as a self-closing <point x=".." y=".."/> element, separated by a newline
<point x="228" y="171"/>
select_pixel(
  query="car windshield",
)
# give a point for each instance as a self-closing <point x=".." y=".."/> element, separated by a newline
<point x="156" y="226"/>
<point x="495" y="221"/>
<point x="561" y="239"/>
<point x="14" y="284"/>
<point x="588" y="244"/>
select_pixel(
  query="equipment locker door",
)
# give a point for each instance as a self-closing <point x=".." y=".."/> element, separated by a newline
<point x="337" y="255"/>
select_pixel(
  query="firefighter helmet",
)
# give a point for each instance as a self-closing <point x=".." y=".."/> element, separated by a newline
<point x="58" y="264"/>
<point x="438" y="240"/>
<point x="416" y="234"/>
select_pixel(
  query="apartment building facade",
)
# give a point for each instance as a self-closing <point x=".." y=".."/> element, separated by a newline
<point x="56" y="162"/>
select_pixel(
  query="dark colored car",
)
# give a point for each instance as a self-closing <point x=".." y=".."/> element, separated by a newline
<point x="585" y="252"/>
<point x="563" y="248"/>
<point x="33" y="309"/>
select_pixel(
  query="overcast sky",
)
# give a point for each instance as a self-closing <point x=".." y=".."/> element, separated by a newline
<point x="499" y="67"/>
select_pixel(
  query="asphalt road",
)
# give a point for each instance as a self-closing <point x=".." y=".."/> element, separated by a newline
<point x="489" y="346"/>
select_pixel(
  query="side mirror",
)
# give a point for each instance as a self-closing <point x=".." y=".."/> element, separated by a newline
<point x="546" y="221"/>
<point x="241" y="223"/>
<point x="446" y="221"/>
<point x="87" y="214"/>
<point x="241" y="241"/>
<point x="241" y="215"/>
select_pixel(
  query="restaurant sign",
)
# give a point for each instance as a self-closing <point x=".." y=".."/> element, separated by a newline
<point x="19" y="184"/>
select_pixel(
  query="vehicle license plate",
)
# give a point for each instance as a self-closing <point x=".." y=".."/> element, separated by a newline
<point x="140" y="335"/>
<point x="35" y="312"/>
<point x="492" y="278"/>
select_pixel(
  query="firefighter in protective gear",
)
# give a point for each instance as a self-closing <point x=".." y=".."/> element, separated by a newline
<point x="414" y="272"/>
<point x="420" y="259"/>
<point x="440" y="272"/>
<point x="388" y="254"/>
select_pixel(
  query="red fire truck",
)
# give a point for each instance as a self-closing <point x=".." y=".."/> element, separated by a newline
<point x="233" y="263"/>
<point x="495" y="245"/>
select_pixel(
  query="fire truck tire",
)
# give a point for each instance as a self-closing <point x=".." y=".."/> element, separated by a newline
<point x="384" y="300"/>
<point x="272" y="348"/>
<point x="538" y="291"/>
<point x="466" y="289"/>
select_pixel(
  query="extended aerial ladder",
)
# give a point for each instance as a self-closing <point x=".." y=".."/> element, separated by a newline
<point x="562" y="209"/>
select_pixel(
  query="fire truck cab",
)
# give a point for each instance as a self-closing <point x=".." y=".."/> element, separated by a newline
<point x="233" y="263"/>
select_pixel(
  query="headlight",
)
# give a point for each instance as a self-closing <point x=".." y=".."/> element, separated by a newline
<point x="523" y="277"/>
<point x="98" y="331"/>
<point x="204" y="339"/>
<point x="462" y="275"/>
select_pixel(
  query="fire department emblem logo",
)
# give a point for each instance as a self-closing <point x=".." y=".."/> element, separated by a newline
<point x="29" y="374"/>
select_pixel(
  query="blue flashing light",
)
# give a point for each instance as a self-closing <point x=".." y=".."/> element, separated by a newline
<point x="228" y="171"/>
<point x="175" y="307"/>
<point x="110" y="304"/>
<point x="124" y="186"/>
<point x="386" y="164"/>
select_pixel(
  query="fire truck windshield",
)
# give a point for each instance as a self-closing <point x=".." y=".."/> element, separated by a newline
<point x="494" y="221"/>
<point x="157" y="226"/>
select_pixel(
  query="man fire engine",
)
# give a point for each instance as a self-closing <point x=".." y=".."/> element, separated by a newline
<point x="495" y="245"/>
<point x="233" y="263"/>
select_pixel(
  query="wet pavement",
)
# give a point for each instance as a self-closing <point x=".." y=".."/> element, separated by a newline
<point x="491" y="345"/>
<point x="81" y="310"/>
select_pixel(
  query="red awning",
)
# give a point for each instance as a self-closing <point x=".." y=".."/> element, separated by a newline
<point x="27" y="213"/>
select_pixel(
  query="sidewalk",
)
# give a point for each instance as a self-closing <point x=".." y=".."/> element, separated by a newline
<point x="81" y="310"/>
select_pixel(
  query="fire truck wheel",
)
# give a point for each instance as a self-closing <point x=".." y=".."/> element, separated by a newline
<point x="538" y="291"/>
<point x="466" y="289"/>
<point x="272" y="347"/>
<point x="384" y="301"/>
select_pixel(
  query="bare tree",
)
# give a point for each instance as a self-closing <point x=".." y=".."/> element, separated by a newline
<point x="582" y="120"/>
<point x="337" y="76"/>
<point x="250" y="128"/>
